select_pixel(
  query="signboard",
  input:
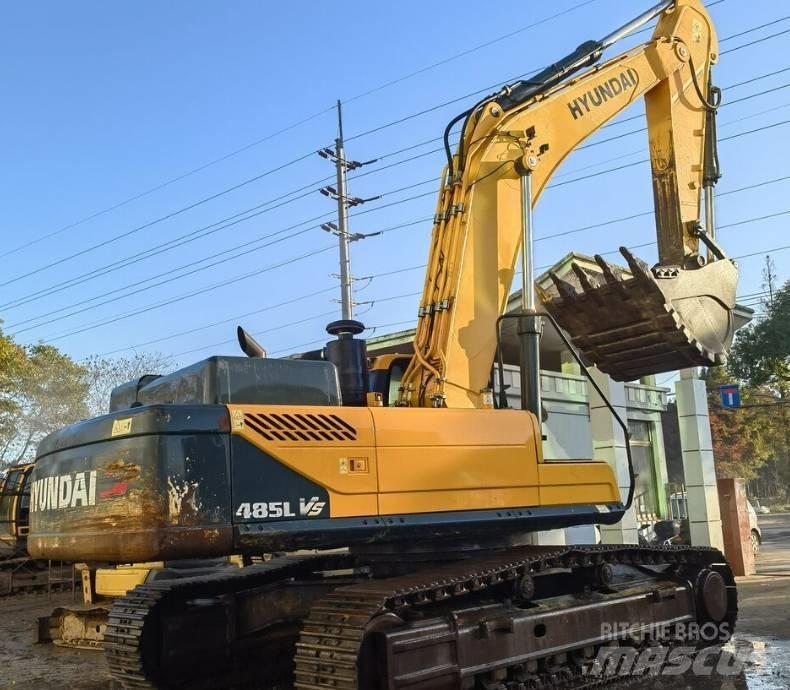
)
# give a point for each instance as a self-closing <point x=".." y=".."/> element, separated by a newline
<point x="730" y="396"/>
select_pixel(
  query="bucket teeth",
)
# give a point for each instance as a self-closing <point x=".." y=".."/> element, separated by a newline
<point x="565" y="289"/>
<point x="586" y="283"/>
<point x="638" y="267"/>
<point x="608" y="273"/>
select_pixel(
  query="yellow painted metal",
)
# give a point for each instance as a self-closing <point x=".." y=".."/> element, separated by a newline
<point x="445" y="459"/>
<point x="117" y="581"/>
<point x="421" y="460"/>
<point x="575" y="483"/>
<point x="476" y="239"/>
<point x="323" y="461"/>
<point x="384" y="362"/>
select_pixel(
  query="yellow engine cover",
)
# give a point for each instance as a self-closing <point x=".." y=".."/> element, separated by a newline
<point x="401" y="460"/>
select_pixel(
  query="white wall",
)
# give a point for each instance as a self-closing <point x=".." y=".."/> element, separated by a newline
<point x="569" y="433"/>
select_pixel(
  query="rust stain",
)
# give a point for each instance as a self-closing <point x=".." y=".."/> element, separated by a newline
<point x="122" y="471"/>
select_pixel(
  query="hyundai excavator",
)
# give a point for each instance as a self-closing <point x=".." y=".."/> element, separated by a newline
<point x="406" y="519"/>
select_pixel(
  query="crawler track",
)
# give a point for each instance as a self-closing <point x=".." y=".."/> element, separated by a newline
<point x="331" y="644"/>
<point x="140" y="655"/>
<point x="168" y="634"/>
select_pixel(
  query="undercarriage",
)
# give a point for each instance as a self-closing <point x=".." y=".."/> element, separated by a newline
<point x="525" y="617"/>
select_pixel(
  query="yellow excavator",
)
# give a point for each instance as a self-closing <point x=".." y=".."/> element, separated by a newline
<point x="407" y="517"/>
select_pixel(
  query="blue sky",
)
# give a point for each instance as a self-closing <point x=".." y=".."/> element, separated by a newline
<point x="104" y="101"/>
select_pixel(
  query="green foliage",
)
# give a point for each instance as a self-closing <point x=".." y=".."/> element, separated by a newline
<point x="12" y="363"/>
<point x="41" y="390"/>
<point x="761" y="353"/>
<point x="755" y="438"/>
<point x="743" y="440"/>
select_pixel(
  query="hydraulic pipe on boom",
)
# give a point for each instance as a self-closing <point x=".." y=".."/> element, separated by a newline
<point x="630" y="323"/>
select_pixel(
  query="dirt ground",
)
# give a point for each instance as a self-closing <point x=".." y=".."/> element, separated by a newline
<point x="762" y="637"/>
<point x="25" y="665"/>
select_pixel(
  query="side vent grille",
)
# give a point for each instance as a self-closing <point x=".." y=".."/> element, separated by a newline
<point x="301" y="427"/>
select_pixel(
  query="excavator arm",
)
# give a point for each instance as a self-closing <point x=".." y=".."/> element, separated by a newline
<point x="677" y="314"/>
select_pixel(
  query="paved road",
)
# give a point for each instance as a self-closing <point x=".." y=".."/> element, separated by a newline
<point x="762" y="635"/>
<point x="765" y="597"/>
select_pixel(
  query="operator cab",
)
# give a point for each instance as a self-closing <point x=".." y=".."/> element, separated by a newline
<point x="385" y="376"/>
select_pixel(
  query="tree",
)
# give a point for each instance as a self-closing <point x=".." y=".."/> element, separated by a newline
<point x="761" y="353"/>
<point x="742" y="440"/>
<point x="46" y="392"/>
<point x="760" y="359"/>
<point x="12" y="362"/>
<point x="105" y="374"/>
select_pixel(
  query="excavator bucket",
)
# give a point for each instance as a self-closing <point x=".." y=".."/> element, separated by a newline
<point x="642" y="321"/>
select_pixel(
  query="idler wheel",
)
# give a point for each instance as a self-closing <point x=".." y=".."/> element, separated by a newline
<point x="712" y="596"/>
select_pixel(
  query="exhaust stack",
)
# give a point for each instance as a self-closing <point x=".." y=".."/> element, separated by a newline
<point x="248" y="344"/>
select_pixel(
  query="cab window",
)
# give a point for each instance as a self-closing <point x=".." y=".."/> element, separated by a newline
<point x="396" y="372"/>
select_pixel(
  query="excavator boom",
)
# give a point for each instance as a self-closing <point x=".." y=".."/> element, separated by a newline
<point x="674" y="315"/>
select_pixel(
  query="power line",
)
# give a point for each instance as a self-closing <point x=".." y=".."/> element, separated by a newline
<point x="277" y="133"/>
<point x="474" y="49"/>
<point x="643" y="214"/>
<point x="272" y="203"/>
<point x="757" y="40"/>
<point x="239" y="317"/>
<point x="15" y="330"/>
<point x="149" y="224"/>
<point x="180" y="298"/>
<point x="181" y="240"/>
<point x="768" y="216"/>
<point x="499" y="84"/>
<point x="238" y="278"/>
<point x="644" y="129"/>
<point x="187" y="238"/>
<point x="189" y="295"/>
<point x="647" y="160"/>
<point x="169" y="278"/>
<point x="283" y="130"/>
<point x="300" y="158"/>
<point x="601" y="224"/>
<point x="138" y="289"/>
<point x="612" y="159"/>
<point x="287" y="325"/>
<point x="165" y="184"/>
<point x="230" y="319"/>
<point x="761" y="252"/>
<point x="635" y="117"/>
<point x="755" y="28"/>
